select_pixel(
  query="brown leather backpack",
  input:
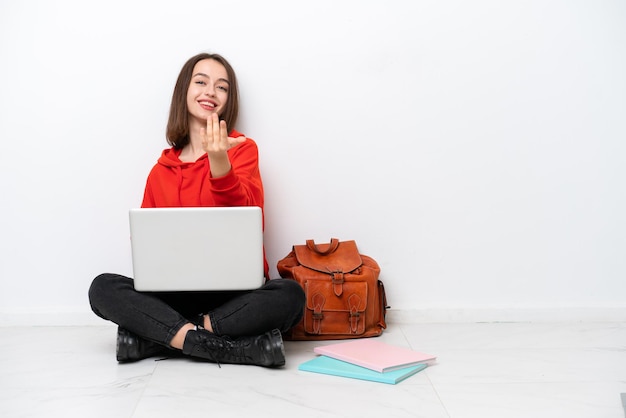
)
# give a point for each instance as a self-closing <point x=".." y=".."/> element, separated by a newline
<point x="344" y="297"/>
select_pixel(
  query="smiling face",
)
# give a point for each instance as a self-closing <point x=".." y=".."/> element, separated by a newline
<point x="208" y="90"/>
<point x="206" y="84"/>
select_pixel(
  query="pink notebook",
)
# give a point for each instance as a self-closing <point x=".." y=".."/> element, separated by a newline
<point x="374" y="354"/>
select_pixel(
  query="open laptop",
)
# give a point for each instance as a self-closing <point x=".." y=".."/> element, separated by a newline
<point x="197" y="249"/>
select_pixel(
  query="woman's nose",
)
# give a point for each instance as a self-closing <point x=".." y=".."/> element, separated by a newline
<point x="210" y="91"/>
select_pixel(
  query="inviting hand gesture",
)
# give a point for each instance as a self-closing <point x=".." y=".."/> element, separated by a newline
<point x="215" y="142"/>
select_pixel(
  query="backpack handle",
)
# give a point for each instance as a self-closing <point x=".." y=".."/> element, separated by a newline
<point x="332" y="247"/>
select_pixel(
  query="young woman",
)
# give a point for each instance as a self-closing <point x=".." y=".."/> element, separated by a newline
<point x="208" y="164"/>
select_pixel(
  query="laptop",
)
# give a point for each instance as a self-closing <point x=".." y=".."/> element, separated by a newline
<point x="197" y="249"/>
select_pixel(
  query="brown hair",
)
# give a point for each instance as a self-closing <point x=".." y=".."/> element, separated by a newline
<point x="177" y="133"/>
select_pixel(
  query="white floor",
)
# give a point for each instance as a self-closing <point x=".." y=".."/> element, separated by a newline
<point x="501" y="370"/>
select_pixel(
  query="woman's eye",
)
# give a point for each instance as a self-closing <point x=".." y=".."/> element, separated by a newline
<point x="201" y="83"/>
<point x="223" y="88"/>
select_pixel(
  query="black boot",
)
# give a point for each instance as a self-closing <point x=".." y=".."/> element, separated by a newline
<point x="263" y="350"/>
<point x="131" y="347"/>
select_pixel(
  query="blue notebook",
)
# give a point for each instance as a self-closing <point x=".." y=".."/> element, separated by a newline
<point x="331" y="366"/>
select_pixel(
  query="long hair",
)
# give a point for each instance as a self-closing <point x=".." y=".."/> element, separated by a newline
<point x="177" y="133"/>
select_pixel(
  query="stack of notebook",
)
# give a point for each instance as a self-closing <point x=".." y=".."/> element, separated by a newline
<point x="368" y="359"/>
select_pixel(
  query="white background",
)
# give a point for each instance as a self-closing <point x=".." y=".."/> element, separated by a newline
<point x="475" y="149"/>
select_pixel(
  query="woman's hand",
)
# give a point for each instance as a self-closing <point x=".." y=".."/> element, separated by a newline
<point x="215" y="142"/>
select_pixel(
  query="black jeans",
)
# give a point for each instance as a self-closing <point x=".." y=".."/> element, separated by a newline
<point x="157" y="316"/>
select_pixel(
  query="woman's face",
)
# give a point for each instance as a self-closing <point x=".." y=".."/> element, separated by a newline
<point x="208" y="89"/>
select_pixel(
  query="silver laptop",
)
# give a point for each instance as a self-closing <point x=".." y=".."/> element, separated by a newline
<point x="197" y="249"/>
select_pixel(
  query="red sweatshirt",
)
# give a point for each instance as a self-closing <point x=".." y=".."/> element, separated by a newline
<point x="174" y="183"/>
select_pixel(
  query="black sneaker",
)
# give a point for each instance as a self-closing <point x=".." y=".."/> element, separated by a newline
<point x="131" y="347"/>
<point x="263" y="350"/>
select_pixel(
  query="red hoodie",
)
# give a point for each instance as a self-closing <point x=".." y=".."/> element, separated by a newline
<point x="174" y="183"/>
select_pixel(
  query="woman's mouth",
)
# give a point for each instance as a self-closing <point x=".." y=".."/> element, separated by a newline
<point x="207" y="104"/>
